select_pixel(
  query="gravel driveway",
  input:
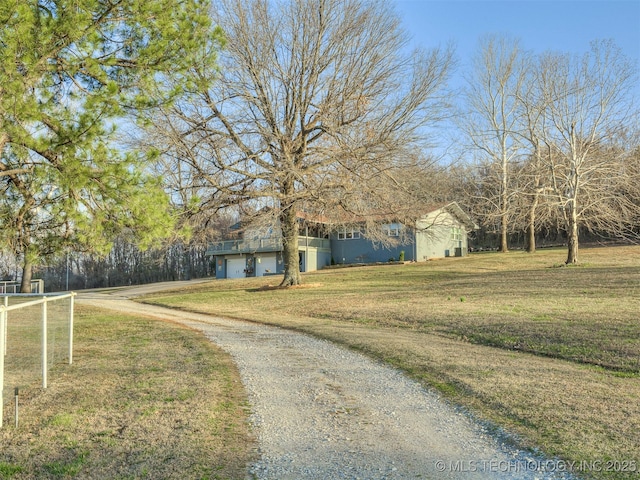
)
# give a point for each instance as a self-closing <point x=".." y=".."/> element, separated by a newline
<point x="320" y="411"/>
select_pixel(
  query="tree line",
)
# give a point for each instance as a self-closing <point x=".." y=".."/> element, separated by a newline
<point x="131" y="135"/>
<point x="554" y="141"/>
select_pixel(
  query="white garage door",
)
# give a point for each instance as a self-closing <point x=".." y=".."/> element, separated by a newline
<point x="265" y="265"/>
<point x="235" y="267"/>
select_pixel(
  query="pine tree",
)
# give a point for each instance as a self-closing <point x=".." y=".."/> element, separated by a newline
<point x="71" y="71"/>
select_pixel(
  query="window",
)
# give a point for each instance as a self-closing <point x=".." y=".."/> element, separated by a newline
<point x="456" y="234"/>
<point x="391" y="230"/>
<point x="348" y="234"/>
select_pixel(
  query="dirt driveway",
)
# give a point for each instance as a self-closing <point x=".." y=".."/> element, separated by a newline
<point x="320" y="411"/>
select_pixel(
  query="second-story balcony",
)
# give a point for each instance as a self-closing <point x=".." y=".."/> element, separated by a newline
<point x="263" y="245"/>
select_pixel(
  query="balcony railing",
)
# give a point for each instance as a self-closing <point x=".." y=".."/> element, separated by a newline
<point x="314" y="242"/>
<point x="245" y="246"/>
<point x="261" y="245"/>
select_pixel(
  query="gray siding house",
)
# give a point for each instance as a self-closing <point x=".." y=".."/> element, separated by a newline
<point x="441" y="232"/>
<point x="259" y="252"/>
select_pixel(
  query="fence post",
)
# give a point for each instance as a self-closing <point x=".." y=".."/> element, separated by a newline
<point x="3" y="322"/>
<point x="44" y="343"/>
<point x="6" y="304"/>
<point x="71" y="304"/>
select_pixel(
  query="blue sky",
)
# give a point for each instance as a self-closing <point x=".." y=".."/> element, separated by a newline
<point x="565" y="25"/>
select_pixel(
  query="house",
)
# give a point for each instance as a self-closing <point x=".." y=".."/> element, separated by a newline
<point x="258" y="251"/>
<point x="441" y="232"/>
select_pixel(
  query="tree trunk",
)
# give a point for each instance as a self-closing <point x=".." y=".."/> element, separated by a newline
<point x="504" y="246"/>
<point x="572" y="233"/>
<point x="289" y="225"/>
<point x="531" y="227"/>
<point x="504" y="210"/>
<point x="186" y="259"/>
<point x="27" y="271"/>
<point x="531" y="236"/>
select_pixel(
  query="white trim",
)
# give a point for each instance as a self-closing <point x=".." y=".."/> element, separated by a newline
<point x="349" y="234"/>
<point x="392" y="229"/>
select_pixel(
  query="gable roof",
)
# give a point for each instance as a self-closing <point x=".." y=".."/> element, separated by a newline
<point x="454" y="209"/>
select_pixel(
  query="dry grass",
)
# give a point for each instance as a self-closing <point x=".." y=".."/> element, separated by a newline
<point x="143" y="399"/>
<point x="551" y="353"/>
<point x="23" y="361"/>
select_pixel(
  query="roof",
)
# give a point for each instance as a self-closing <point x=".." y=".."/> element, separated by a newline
<point x="391" y="217"/>
<point x="345" y="218"/>
<point x="454" y="209"/>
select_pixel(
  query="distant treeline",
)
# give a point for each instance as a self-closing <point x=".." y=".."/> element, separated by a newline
<point x="127" y="265"/>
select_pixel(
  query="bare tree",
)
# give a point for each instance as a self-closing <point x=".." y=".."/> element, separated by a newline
<point x="588" y="105"/>
<point x="316" y="106"/>
<point x="629" y="188"/>
<point x="532" y="178"/>
<point x="491" y="120"/>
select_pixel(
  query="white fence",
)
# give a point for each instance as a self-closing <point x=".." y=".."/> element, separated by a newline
<point x="28" y="327"/>
<point x="37" y="286"/>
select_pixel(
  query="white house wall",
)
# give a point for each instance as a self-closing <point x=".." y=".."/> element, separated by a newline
<point x="311" y="262"/>
<point x="236" y="267"/>
<point x="435" y="239"/>
<point x="266" y="264"/>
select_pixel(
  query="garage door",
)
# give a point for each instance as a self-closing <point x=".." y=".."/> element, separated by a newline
<point x="265" y="265"/>
<point x="235" y="268"/>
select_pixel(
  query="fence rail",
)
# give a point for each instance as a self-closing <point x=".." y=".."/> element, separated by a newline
<point x="25" y="302"/>
<point x="37" y="286"/>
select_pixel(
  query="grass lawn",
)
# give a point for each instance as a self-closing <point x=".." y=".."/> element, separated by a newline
<point x="143" y="399"/>
<point x="549" y="352"/>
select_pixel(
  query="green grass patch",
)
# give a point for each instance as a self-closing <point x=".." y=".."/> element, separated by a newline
<point x="62" y="420"/>
<point x="8" y="470"/>
<point x="66" y="468"/>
